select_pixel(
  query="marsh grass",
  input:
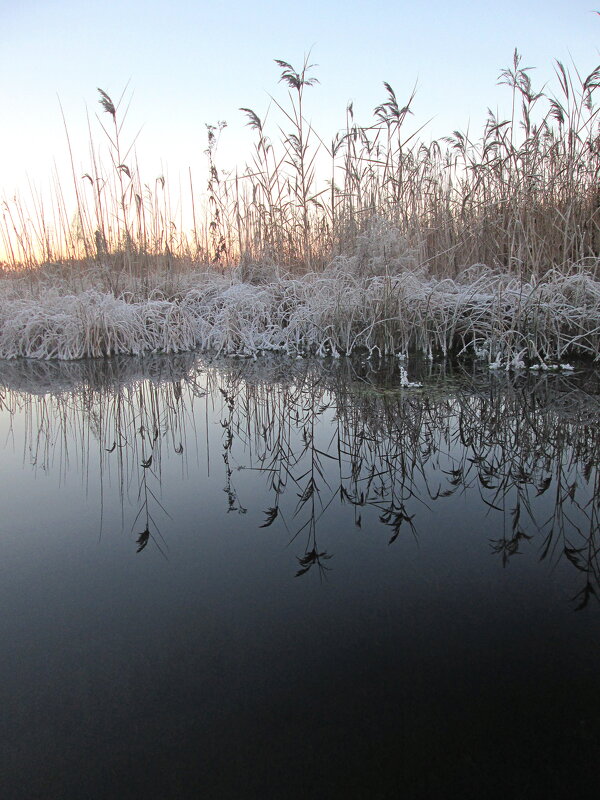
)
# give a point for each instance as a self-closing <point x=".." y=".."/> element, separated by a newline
<point x="368" y="242"/>
<point x="497" y="316"/>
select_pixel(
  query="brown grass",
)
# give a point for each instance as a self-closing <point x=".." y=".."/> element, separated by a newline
<point x="523" y="197"/>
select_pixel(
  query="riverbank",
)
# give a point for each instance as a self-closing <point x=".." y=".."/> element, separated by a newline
<point x="507" y="321"/>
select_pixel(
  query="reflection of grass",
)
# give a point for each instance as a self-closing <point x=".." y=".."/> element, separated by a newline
<point x="392" y="454"/>
<point x="130" y="418"/>
<point x="528" y="449"/>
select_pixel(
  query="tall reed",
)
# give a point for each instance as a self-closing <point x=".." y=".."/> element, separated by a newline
<point x="523" y="196"/>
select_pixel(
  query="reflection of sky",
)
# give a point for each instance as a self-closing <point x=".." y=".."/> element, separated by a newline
<point x="198" y="62"/>
<point x="62" y="474"/>
<point x="115" y="666"/>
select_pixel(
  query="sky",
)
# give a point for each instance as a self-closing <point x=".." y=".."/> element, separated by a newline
<point x="189" y="63"/>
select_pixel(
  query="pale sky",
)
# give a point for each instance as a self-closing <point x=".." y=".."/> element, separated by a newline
<point x="191" y="63"/>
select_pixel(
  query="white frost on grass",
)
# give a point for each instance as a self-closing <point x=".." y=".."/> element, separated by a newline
<point x="340" y="311"/>
<point x="552" y="367"/>
<point x="405" y="383"/>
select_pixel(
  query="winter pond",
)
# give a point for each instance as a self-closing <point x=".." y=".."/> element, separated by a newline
<point x="274" y="579"/>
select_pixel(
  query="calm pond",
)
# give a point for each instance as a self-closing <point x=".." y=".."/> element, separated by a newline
<point x="275" y="579"/>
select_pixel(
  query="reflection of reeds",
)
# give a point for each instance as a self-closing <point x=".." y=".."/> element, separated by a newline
<point x="528" y="448"/>
<point x="129" y="409"/>
<point x="522" y="446"/>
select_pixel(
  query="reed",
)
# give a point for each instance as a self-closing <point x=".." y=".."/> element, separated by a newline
<point x="523" y="196"/>
<point x="379" y="255"/>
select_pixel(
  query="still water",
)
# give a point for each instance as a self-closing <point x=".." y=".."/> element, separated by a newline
<point x="296" y="579"/>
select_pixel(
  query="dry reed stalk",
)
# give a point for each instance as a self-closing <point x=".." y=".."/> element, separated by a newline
<point x="523" y="198"/>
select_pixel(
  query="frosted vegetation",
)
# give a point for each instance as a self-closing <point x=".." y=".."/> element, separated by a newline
<point x="487" y="247"/>
<point x="489" y="314"/>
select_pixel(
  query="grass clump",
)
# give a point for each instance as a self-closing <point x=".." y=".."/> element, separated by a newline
<point x="379" y="256"/>
<point x="494" y="315"/>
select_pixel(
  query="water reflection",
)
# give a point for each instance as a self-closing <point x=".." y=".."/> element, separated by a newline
<point x="329" y="444"/>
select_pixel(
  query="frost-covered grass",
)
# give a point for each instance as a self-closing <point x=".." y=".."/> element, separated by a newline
<point x="342" y="310"/>
<point x="365" y="244"/>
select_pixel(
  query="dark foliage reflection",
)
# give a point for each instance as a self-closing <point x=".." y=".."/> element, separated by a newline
<point x="341" y="433"/>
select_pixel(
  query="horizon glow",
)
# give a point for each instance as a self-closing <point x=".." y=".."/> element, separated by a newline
<point x="197" y="63"/>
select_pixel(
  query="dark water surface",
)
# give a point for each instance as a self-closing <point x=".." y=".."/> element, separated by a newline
<point x="291" y="579"/>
